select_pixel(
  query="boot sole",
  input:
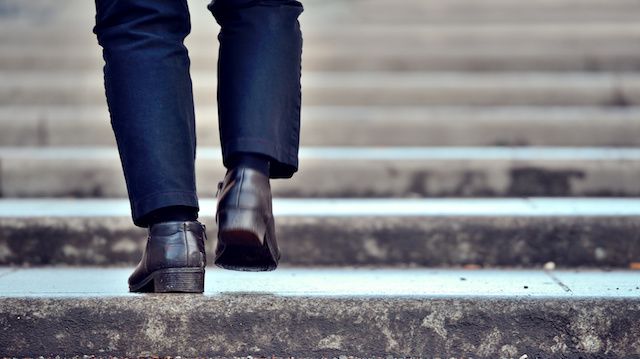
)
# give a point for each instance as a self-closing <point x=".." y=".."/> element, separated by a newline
<point x="172" y="280"/>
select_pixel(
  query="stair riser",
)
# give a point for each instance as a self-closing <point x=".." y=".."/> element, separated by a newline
<point x="340" y="177"/>
<point x="595" y="34"/>
<point x="394" y="241"/>
<point x="472" y="92"/>
<point x="421" y="14"/>
<point x="365" y="89"/>
<point x="350" y="12"/>
<point x="435" y="59"/>
<point x="314" y="17"/>
<point x="374" y="126"/>
<point x="192" y="326"/>
<point x="344" y="95"/>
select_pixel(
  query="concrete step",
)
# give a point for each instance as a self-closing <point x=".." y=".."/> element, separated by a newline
<point x="436" y="57"/>
<point x="465" y="11"/>
<point x="364" y="88"/>
<point x="353" y="172"/>
<point x="578" y="232"/>
<point x="427" y="46"/>
<point x="16" y="12"/>
<point x="597" y="34"/>
<point x="29" y="126"/>
<point x="465" y="42"/>
<point x="318" y="12"/>
<point x="325" y="313"/>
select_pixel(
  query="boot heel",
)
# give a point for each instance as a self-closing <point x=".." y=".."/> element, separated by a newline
<point x="245" y="241"/>
<point x="241" y="227"/>
<point x="184" y="280"/>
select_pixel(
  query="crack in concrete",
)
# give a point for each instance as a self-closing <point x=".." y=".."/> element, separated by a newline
<point x="1" y="179"/>
<point x="559" y="282"/>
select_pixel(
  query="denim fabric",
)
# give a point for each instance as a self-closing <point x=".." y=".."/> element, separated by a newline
<point x="150" y="98"/>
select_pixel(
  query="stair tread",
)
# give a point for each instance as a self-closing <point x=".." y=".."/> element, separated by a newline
<point x="306" y="283"/>
<point x="336" y="207"/>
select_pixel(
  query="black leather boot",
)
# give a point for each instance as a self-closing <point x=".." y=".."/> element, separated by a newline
<point x="173" y="260"/>
<point x="246" y="228"/>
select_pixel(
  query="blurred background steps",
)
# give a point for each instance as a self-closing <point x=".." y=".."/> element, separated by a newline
<point x="26" y="126"/>
<point x="352" y="172"/>
<point x="364" y="88"/>
<point x="357" y="47"/>
<point x="490" y="57"/>
<point x="472" y="12"/>
<point x="354" y="11"/>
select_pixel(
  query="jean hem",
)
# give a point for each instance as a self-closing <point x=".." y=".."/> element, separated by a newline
<point x="162" y="199"/>
<point x="284" y="160"/>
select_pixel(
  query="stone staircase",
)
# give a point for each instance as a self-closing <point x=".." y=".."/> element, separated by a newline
<point x="469" y="187"/>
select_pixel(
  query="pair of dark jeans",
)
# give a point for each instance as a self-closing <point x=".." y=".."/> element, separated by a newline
<point x="150" y="98"/>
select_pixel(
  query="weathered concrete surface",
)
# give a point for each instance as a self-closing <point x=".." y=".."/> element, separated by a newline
<point x="363" y="88"/>
<point x="520" y="233"/>
<point x="359" y="126"/>
<point x="352" y="172"/>
<point x="325" y="313"/>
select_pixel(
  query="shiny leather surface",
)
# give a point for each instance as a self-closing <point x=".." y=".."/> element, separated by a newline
<point x="245" y="188"/>
<point x="178" y="244"/>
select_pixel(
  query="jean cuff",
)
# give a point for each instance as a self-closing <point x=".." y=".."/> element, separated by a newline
<point x="141" y="207"/>
<point x="284" y="159"/>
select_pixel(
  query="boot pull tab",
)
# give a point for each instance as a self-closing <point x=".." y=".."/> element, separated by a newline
<point x="219" y="188"/>
<point x="204" y="232"/>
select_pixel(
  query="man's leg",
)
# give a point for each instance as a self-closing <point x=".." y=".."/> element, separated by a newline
<point x="259" y="117"/>
<point x="259" y="81"/>
<point x="150" y="100"/>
